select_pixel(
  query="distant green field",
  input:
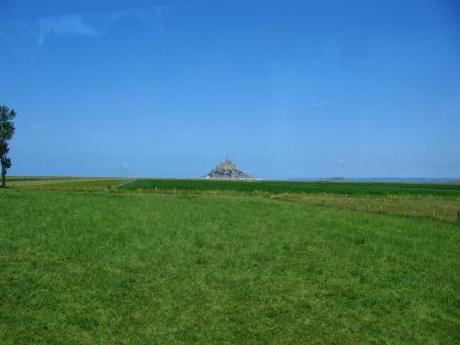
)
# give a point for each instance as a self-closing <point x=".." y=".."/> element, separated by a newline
<point x="98" y="261"/>
<point x="65" y="183"/>
<point x="299" y="187"/>
<point x="438" y="201"/>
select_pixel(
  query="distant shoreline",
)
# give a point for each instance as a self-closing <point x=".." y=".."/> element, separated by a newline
<point x="384" y="179"/>
<point x="312" y="179"/>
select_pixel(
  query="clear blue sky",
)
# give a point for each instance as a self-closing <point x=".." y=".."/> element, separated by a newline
<point x="287" y="89"/>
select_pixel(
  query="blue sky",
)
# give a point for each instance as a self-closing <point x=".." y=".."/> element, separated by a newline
<point x="288" y="89"/>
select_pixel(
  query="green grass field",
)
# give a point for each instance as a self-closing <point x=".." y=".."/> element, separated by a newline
<point x="300" y="187"/>
<point x="107" y="261"/>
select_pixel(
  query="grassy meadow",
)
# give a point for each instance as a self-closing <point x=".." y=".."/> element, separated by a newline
<point x="109" y="261"/>
<point x="349" y="188"/>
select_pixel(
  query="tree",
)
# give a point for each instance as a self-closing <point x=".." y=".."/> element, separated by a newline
<point x="6" y="134"/>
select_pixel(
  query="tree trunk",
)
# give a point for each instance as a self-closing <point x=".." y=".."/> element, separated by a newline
<point x="3" y="177"/>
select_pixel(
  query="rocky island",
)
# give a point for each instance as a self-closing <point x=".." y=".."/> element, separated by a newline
<point x="227" y="170"/>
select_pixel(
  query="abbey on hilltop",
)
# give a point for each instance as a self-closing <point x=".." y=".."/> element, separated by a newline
<point x="227" y="170"/>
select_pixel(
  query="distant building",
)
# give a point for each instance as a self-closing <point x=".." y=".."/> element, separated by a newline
<point x="227" y="170"/>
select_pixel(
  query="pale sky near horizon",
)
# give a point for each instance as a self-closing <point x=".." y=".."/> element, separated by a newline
<point x="288" y="89"/>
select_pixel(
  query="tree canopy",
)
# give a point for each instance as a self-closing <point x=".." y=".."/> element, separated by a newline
<point x="6" y="134"/>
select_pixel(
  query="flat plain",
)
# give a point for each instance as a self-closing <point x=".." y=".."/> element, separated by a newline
<point x="109" y="261"/>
